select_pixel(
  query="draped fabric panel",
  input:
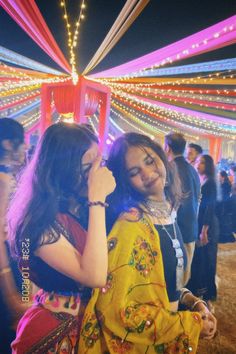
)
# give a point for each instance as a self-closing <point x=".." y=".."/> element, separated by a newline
<point x="20" y="101"/>
<point x="211" y="38"/>
<point x="65" y="99"/>
<point x="127" y="16"/>
<point x="29" y="18"/>
<point x="200" y="115"/>
<point x="91" y="102"/>
<point x="20" y="60"/>
<point x="215" y="148"/>
<point x="16" y="73"/>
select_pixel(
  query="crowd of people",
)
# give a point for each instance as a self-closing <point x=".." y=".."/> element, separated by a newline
<point x="115" y="256"/>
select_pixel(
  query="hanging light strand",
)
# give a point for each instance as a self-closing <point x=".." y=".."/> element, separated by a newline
<point x="73" y="37"/>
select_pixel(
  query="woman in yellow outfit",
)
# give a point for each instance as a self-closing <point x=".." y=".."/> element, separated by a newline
<point x="137" y="310"/>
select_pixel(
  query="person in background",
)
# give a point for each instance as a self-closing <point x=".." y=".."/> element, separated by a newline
<point x="187" y="212"/>
<point x="225" y="185"/>
<point x="193" y="151"/>
<point x="232" y="173"/>
<point x="202" y="282"/>
<point x="12" y="153"/>
<point x="223" y="208"/>
<point x="137" y="310"/>
<point x="232" y="202"/>
<point x="52" y="248"/>
<point x="30" y="152"/>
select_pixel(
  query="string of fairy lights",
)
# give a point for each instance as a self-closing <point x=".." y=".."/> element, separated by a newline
<point x="175" y="94"/>
<point x="182" y="54"/>
<point x="188" y="99"/>
<point x="113" y="124"/>
<point x="153" y="124"/>
<point x="14" y="99"/>
<point x="210" y="79"/>
<point x="18" y="107"/>
<point x="28" y="122"/>
<point x="182" y="89"/>
<point x="135" y="122"/>
<point x="73" y="35"/>
<point x="187" y="95"/>
<point x="155" y="108"/>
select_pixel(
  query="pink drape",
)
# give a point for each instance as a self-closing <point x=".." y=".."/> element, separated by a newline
<point x="29" y="18"/>
<point x="211" y="38"/>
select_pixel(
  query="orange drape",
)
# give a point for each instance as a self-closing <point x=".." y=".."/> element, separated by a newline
<point x="215" y="148"/>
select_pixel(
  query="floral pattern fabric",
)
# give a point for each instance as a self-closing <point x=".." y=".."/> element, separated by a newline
<point x="131" y="314"/>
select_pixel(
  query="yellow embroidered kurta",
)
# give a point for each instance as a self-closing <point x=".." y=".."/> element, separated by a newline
<point x="131" y="314"/>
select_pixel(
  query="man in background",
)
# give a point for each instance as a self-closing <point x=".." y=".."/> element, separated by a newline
<point x="193" y="151"/>
<point x="187" y="213"/>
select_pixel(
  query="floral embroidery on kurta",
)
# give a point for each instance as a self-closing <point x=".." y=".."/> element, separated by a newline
<point x="131" y="314"/>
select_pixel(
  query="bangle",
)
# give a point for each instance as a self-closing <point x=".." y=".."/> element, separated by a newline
<point x="5" y="270"/>
<point x="184" y="292"/>
<point x="198" y="301"/>
<point x="98" y="203"/>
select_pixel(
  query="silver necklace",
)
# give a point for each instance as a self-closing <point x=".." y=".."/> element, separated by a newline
<point x="162" y="210"/>
<point x="159" y="209"/>
<point x="179" y="256"/>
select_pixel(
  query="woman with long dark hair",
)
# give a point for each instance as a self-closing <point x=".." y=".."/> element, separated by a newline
<point x="223" y="209"/>
<point x="225" y="185"/>
<point x="53" y="249"/>
<point x="137" y="310"/>
<point x="202" y="282"/>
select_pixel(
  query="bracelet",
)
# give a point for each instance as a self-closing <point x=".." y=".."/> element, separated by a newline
<point x="5" y="270"/>
<point x="198" y="301"/>
<point x="184" y="292"/>
<point x="98" y="203"/>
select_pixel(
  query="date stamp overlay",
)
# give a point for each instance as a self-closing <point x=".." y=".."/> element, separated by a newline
<point x="25" y="271"/>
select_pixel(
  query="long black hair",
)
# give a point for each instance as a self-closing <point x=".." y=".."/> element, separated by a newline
<point x="209" y="166"/>
<point x="52" y="177"/>
<point x="125" y="196"/>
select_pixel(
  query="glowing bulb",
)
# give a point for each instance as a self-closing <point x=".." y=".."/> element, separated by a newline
<point x="74" y="77"/>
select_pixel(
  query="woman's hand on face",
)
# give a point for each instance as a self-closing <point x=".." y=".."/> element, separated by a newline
<point x="101" y="182"/>
<point x="209" y="327"/>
